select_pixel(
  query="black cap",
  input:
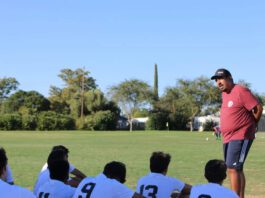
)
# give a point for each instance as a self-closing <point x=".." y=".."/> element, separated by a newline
<point x="221" y="73"/>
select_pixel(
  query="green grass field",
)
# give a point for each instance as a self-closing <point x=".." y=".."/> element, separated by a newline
<point x="90" y="151"/>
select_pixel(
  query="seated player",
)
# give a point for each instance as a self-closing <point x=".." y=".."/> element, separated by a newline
<point x="215" y="173"/>
<point x="156" y="183"/>
<point x="107" y="184"/>
<point x="44" y="176"/>
<point x="78" y="175"/>
<point x="56" y="187"/>
<point x="8" y="190"/>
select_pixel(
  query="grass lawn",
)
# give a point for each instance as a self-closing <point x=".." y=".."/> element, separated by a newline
<point x="90" y="151"/>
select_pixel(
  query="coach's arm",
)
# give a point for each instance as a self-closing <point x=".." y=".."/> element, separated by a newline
<point x="257" y="112"/>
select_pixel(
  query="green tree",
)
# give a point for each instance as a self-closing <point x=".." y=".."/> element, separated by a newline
<point x="58" y="101"/>
<point x="72" y="96"/>
<point x="95" y="100"/>
<point x="10" y="121"/>
<point x="130" y="95"/>
<point x="99" y="111"/>
<point x="82" y="100"/>
<point x="7" y="85"/>
<point x="199" y="94"/>
<point x="174" y="106"/>
<point x="30" y="102"/>
<point x="188" y="99"/>
<point x="101" y="120"/>
<point x="157" y="121"/>
<point x="140" y="113"/>
<point x="77" y="79"/>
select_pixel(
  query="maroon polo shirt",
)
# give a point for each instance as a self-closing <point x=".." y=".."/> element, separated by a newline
<point x="237" y="120"/>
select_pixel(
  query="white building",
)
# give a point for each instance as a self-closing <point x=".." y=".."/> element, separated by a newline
<point x="139" y="123"/>
<point x="200" y="121"/>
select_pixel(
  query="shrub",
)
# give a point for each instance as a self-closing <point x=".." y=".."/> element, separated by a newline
<point x="65" y="122"/>
<point x="105" y="120"/>
<point x="29" y="122"/>
<point x="178" y="121"/>
<point x="208" y="126"/>
<point x="157" y="121"/>
<point x="81" y="124"/>
<point x="100" y="120"/>
<point x="48" y="120"/>
<point x="10" y="122"/>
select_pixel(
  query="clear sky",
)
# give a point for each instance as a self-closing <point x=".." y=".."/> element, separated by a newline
<point x="118" y="39"/>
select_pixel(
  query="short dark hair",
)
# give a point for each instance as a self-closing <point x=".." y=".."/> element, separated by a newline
<point x="215" y="171"/>
<point x="56" y="155"/>
<point x="3" y="160"/>
<point x="159" y="162"/>
<point x="59" y="170"/>
<point x="115" y="170"/>
<point x="60" y="147"/>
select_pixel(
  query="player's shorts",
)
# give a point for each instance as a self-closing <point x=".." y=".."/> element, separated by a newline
<point x="235" y="153"/>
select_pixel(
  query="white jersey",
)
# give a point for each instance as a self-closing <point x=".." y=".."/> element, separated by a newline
<point x="101" y="186"/>
<point x="158" y="185"/>
<point x="55" y="189"/>
<point x="13" y="191"/>
<point x="45" y="167"/>
<point x="212" y="190"/>
<point x="9" y="177"/>
<point x="44" y="176"/>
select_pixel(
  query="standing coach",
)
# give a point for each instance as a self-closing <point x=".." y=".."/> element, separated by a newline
<point x="240" y="114"/>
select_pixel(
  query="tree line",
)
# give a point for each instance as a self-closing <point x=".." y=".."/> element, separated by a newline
<point x="81" y="105"/>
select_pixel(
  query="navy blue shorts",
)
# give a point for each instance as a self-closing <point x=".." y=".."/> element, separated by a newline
<point x="235" y="153"/>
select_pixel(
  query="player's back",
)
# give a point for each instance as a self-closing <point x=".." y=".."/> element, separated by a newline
<point x="13" y="191"/>
<point x="43" y="177"/>
<point x="55" y="189"/>
<point x="212" y="190"/>
<point x="158" y="185"/>
<point x="101" y="186"/>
